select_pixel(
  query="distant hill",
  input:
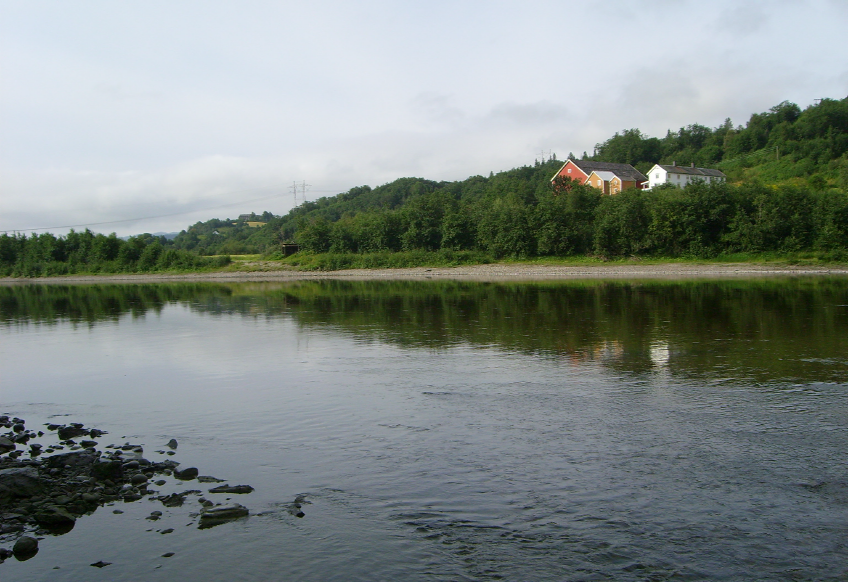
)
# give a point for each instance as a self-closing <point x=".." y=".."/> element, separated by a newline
<point x="248" y="234"/>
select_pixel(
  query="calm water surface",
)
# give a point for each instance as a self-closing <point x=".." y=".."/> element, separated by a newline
<point x="454" y="431"/>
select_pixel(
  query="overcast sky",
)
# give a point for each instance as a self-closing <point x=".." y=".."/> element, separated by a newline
<point x="124" y="110"/>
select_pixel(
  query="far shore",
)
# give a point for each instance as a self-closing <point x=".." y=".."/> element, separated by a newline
<point x="270" y="271"/>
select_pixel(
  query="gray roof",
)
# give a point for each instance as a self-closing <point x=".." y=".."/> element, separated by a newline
<point x="693" y="171"/>
<point x="623" y="171"/>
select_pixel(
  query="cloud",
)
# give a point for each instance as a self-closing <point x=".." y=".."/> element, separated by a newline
<point x="745" y="18"/>
<point x="149" y="109"/>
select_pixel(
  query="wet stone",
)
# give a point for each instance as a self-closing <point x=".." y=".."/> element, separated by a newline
<point x="25" y="546"/>
<point x="101" y="564"/>
<point x="238" y="489"/>
<point x="186" y="474"/>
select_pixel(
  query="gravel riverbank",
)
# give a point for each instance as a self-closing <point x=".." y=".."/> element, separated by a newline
<point x="272" y="271"/>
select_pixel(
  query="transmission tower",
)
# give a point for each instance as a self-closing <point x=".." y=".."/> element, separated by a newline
<point x="303" y="187"/>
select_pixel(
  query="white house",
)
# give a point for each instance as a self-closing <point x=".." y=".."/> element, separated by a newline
<point x="682" y="175"/>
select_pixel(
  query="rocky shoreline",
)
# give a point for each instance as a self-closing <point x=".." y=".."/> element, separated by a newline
<point x="45" y="487"/>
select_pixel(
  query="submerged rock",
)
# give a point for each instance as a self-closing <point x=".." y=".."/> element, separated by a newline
<point x="218" y="515"/>
<point x="240" y="489"/>
<point x="208" y="479"/>
<point x="101" y="564"/>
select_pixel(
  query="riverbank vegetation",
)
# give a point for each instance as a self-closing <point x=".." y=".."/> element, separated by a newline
<point x="786" y="196"/>
<point x="86" y="252"/>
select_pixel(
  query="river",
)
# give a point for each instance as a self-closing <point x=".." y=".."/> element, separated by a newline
<point x="440" y="430"/>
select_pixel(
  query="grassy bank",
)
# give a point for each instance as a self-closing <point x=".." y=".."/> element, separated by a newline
<point x="385" y="260"/>
<point x="445" y="258"/>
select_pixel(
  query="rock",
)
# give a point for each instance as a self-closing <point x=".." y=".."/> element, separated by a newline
<point x="25" y="547"/>
<point x="138" y="479"/>
<point x="294" y="509"/>
<point x="167" y="554"/>
<point x="101" y="564"/>
<point x="11" y="527"/>
<point x="167" y="531"/>
<point x="208" y="479"/>
<point x="77" y="460"/>
<point x="19" y="482"/>
<point x="88" y="444"/>
<point x="6" y="444"/>
<point x="107" y="469"/>
<point x="173" y="500"/>
<point x="172" y="444"/>
<point x="232" y="489"/>
<point x="54" y="516"/>
<point x="217" y="516"/>
<point x="186" y="474"/>
<point x="69" y="432"/>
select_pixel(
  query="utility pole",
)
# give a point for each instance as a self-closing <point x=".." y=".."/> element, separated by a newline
<point x="293" y="189"/>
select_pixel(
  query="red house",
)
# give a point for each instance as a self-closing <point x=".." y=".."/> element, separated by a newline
<point x="579" y="170"/>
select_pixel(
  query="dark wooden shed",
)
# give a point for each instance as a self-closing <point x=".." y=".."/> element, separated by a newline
<point x="289" y="248"/>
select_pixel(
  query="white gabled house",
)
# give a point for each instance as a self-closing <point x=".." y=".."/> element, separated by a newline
<point x="682" y="175"/>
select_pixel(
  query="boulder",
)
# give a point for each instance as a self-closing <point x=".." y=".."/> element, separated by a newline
<point x="70" y="432"/>
<point x="186" y="474"/>
<point x="25" y="547"/>
<point x="53" y="515"/>
<point x="6" y="444"/>
<point x="19" y="482"/>
<point x="75" y="460"/>
<point x="105" y="469"/>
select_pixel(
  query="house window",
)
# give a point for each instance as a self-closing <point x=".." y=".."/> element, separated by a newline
<point x="569" y="170"/>
<point x="657" y="176"/>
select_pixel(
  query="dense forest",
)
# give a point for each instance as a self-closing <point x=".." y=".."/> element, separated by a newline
<point x="787" y="192"/>
<point x="86" y="252"/>
<point x="788" y="178"/>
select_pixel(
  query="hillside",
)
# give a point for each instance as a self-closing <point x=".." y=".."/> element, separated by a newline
<point x="785" y="145"/>
<point x="787" y="192"/>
